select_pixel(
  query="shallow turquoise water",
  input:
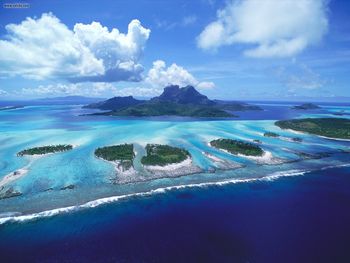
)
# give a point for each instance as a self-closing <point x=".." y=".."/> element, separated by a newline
<point x="43" y="125"/>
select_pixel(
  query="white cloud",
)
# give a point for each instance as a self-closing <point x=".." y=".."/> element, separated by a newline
<point x="3" y="92"/>
<point x="184" y="22"/>
<point x="300" y="76"/>
<point x="66" y="89"/>
<point x="276" y="28"/>
<point x="46" y="48"/>
<point x="206" y="85"/>
<point x="160" y="76"/>
<point x="95" y="89"/>
<point x="189" y="20"/>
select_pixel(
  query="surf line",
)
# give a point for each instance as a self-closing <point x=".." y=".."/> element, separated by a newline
<point x="113" y="199"/>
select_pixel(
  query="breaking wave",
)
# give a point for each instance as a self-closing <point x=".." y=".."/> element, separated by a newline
<point x="14" y="217"/>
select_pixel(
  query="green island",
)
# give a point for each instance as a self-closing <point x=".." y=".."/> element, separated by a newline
<point x="162" y="155"/>
<point x="46" y="149"/>
<point x="123" y="153"/>
<point x="337" y="128"/>
<point x="171" y="109"/>
<point x="174" y="101"/>
<point x="306" y="106"/>
<point x="237" y="147"/>
<point x="271" y="134"/>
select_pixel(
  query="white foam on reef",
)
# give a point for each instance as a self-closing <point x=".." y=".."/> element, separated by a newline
<point x="106" y="200"/>
<point x="113" y="199"/>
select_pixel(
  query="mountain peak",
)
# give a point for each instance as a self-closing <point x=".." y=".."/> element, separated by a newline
<point x="184" y="95"/>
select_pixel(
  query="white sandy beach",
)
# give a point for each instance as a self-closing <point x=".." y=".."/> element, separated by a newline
<point x="266" y="158"/>
<point x="320" y="136"/>
<point x="14" y="176"/>
<point x="185" y="167"/>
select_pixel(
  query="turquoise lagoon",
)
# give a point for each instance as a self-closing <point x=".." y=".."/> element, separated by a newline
<point x="66" y="124"/>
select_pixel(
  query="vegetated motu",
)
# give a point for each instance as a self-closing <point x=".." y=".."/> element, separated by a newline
<point x="46" y="149"/>
<point x="271" y="134"/>
<point x="306" y="106"/>
<point x="338" y="128"/>
<point x="237" y="147"/>
<point x="162" y="155"/>
<point x="122" y="152"/>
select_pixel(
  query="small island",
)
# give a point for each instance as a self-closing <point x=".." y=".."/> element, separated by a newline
<point x="168" y="161"/>
<point x="46" y="149"/>
<point x="297" y="139"/>
<point x="271" y="134"/>
<point x="163" y="155"/>
<point x="332" y="128"/>
<point x="123" y="155"/>
<point x="237" y="147"/>
<point x="306" y="106"/>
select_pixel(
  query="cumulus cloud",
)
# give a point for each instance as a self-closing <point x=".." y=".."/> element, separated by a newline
<point x="274" y="28"/>
<point x="46" y="48"/>
<point x="160" y="76"/>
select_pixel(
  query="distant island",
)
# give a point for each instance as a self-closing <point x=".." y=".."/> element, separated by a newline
<point x="306" y="106"/>
<point x="336" y="128"/>
<point x="174" y="101"/>
<point x="237" y="147"/>
<point x="271" y="134"/>
<point x="46" y="149"/>
<point x="162" y="155"/>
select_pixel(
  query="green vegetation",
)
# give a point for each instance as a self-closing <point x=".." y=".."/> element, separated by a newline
<point x="170" y="109"/>
<point x="46" y="149"/>
<point x="122" y="152"/>
<point x="329" y="127"/>
<point x="271" y="134"/>
<point x="237" y="147"/>
<point x="163" y="155"/>
<point x="306" y="106"/>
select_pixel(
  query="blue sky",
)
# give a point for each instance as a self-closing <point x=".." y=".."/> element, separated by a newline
<point x="249" y="49"/>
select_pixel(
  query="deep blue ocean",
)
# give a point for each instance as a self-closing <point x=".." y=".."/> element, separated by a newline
<point x="292" y="219"/>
